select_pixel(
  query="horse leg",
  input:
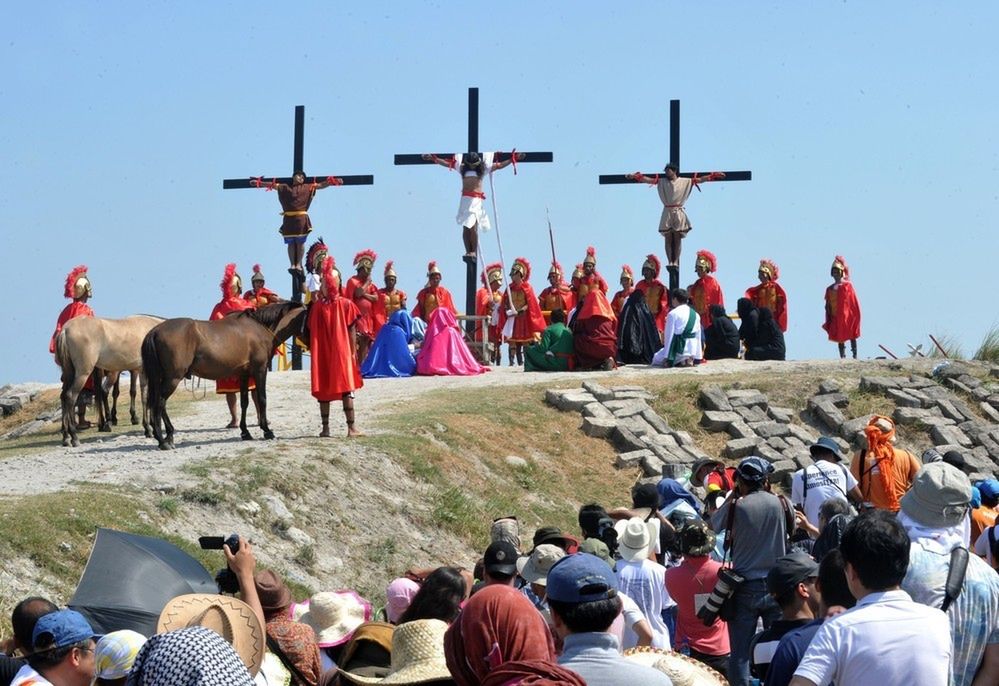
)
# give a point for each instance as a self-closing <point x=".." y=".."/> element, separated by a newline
<point x="262" y="404"/>
<point x="168" y="388"/>
<point x="72" y="384"/>
<point x="101" y="401"/>
<point x="144" y="384"/>
<point x="132" y="386"/>
<point x="115" y="392"/>
<point x="244" y="401"/>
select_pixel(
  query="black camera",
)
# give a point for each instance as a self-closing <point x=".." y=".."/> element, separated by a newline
<point x="728" y="584"/>
<point x="224" y="579"/>
<point x="608" y="534"/>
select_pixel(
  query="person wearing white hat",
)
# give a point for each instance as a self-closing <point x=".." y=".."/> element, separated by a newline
<point x="642" y="579"/>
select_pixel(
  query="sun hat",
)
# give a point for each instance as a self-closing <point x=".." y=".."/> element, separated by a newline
<point x="541" y="559"/>
<point x="232" y="619"/>
<point x="931" y="455"/>
<point x="682" y="670"/>
<point x="417" y="655"/>
<point x="825" y="444"/>
<point x="368" y="653"/>
<point x="939" y="497"/>
<point x="551" y="534"/>
<point x="273" y="593"/>
<point x="581" y="578"/>
<point x="333" y="615"/>
<point x="60" y="629"/>
<point x="754" y="469"/>
<point x="500" y="558"/>
<point x="398" y="595"/>
<point x="505" y="529"/>
<point x="594" y="546"/>
<point x="696" y="539"/>
<point x="789" y="571"/>
<point x="634" y="538"/>
<point x="698" y="466"/>
<point x="115" y="653"/>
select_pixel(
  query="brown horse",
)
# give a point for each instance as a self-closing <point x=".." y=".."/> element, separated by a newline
<point x="240" y="344"/>
<point x="89" y="343"/>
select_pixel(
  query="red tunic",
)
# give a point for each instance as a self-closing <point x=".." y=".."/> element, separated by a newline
<point x="366" y="322"/>
<point x="561" y="298"/>
<point x="259" y="297"/>
<point x="842" y="312"/>
<point x="657" y="298"/>
<point x="228" y="305"/>
<point x="296" y="199"/>
<point x="528" y="325"/>
<point x="429" y="299"/>
<point x="389" y="302"/>
<point x="704" y="293"/>
<point x="334" y="367"/>
<point x="586" y="283"/>
<point x="773" y="296"/>
<point x="486" y="301"/>
<point x="617" y="302"/>
<point x="71" y="311"/>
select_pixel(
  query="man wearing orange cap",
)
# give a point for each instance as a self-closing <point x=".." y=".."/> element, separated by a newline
<point x="390" y="298"/>
<point x="260" y="295"/>
<point x="842" y="309"/>
<point x="79" y="289"/>
<point x="594" y="333"/>
<point x="558" y="295"/>
<point x="656" y="295"/>
<point x="433" y="295"/>
<point x="364" y="294"/>
<point x="705" y="292"/>
<point x="232" y="301"/>
<point x="520" y="304"/>
<point x="883" y="472"/>
<point x="769" y="293"/>
<point x="487" y="299"/>
<point x="627" y="288"/>
<point x="590" y="278"/>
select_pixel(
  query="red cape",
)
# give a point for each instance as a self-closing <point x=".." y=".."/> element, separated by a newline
<point x="334" y="365"/>
<point x="553" y="298"/>
<point x="528" y="324"/>
<point x="773" y="296"/>
<point x="483" y="298"/>
<point x="444" y="299"/>
<point x="842" y="313"/>
<point x="617" y="302"/>
<point x="264" y="296"/>
<point x="366" y="322"/>
<point x="704" y="293"/>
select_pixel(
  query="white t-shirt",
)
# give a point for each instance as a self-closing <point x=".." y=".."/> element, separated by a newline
<point x="27" y="675"/>
<point x="622" y="625"/>
<point x="826" y="480"/>
<point x="983" y="548"/>
<point x="644" y="581"/>
<point x="886" y="639"/>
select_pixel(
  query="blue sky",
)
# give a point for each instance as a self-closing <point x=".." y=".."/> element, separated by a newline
<point x="869" y="128"/>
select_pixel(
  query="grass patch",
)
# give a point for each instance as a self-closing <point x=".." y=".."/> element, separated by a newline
<point x="988" y="351"/>
<point x="864" y="404"/>
<point x="951" y="347"/>
<point x="168" y="506"/>
<point x="209" y="494"/>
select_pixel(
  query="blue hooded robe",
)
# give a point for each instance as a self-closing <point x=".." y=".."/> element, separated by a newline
<point x="389" y="356"/>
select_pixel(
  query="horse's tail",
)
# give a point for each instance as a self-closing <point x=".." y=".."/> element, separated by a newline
<point x="151" y="365"/>
<point x="62" y="355"/>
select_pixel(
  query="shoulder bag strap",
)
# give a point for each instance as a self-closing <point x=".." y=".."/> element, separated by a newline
<point x="730" y="529"/>
<point x="955" y="576"/>
<point x="289" y="665"/>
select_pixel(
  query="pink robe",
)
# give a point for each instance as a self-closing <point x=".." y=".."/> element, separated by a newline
<point x="444" y="352"/>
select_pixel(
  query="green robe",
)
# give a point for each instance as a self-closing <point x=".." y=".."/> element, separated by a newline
<point x="557" y="339"/>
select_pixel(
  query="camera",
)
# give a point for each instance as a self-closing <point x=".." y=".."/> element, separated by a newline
<point x="608" y="534"/>
<point x="224" y="579"/>
<point x="728" y="583"/>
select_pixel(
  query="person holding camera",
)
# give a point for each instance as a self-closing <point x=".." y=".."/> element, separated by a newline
<point x="755" y="522"/>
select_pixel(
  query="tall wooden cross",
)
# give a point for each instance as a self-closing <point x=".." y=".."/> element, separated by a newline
<point x="471" y="267"/>
<point x="674" y="156"/>
<point x="298" y="164"/>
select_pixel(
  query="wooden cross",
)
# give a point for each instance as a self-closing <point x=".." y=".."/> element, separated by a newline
<point x="471" y="270"/>
<point x="298" y="164"/>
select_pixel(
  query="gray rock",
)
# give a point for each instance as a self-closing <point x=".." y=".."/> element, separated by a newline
<point x="765" y="451"/>
<point x="598" y="391"/>
<point x="656" y="421"/>
<point x="297" y="536"/>
<point x="879" y="384"/>
<point x="740" y="430"/>
<point x="783" y="470"/>
<point x="28" y="428"/>
<point x="712" y="397"/>
<point x="515" y="461"/>
<point x="936" y="420"/>
<point x="772" y="430"/>
<point x="903" y="398"/>
<point x="802" y="434"/>
<point x="626" y="408"/>
<point x="52" y="415"/>
<point x="574" y="401"/>
<point x="553" y="395"/>
<point x="829" y="386"/>
<point x="622" y="389"/>
<point x="853" y="429"/>
<point x="651" y="465"/>
<point x="664" y="440"/>
<point x="795" y="442"/>
<point x="829" y="415"/>
<point x="907" y="416"/>
<point x="625" y="440"/>
<point x="944" y="435"/>
<point x="716" y="420"/>
<point x="670" y="456"/>
<point x="692" y="454"/>
<point x="954" y="410"/>
<point x="638" y="426"/>
<point x="682" y="437"/>
<point x="599" y="427"/>
<point x="277" y="507"/>
<point x="634" y="395"/>
<point x="970" y="381"/>
<point x="981" y="393"/>
<point x="952" y="369"/>
<point x="596" y="410"/>
<point x="752" y="414"/>
<point x="250" y="507"/>
<point x="740" y="447"/>
<point x="754" y="399"/>
<point x="990" y="413"/>
<point x="630" y="459"/>
<point x="920" y="382"/>
<point x="778" y="444"/>
<point x="802" y="458"/>
<point x="784" y="415"/>
<point x="9" y="405"/>
<point x="837" y="399"/>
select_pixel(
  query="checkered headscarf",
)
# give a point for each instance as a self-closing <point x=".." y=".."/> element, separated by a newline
<point x="194" y="656"/>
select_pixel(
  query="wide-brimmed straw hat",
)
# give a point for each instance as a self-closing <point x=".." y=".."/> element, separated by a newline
<point x="682" y="670"/>
<point x="635" y="537"/>
<point x="417" y="655"/>
<point x="333" y="615"/>
<point x="229" y="617"/>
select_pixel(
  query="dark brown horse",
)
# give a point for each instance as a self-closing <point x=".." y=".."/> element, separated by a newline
<point x="239" y="345"/>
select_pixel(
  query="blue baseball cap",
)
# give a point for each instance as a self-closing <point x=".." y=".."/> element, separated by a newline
<point x="989" y="488"/>
<point x="581" y="578"/>
<point x="754" y="469"/>
<point x="60" y="629"/>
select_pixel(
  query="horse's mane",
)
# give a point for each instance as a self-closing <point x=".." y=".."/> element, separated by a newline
<point x="269" y="315"/>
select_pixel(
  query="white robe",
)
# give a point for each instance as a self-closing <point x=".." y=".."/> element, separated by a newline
<point x="676" y="323"/>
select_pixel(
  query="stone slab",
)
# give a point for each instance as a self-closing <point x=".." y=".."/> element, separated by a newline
<point x="903" y="398"/>
<point x="712" y="397"/>
<point x="740" y="430"/>
<point x="830" y="386"/>
<point x="829" y="415"/>
<point x="739" y="447"/>
<point x="573" y="401"/>
<point x="878" y="384"/>
<point x="637" y="425"/>
<point x="682" y="437"/>
<point x="784" y="415"/>
<point x="946" y="435"/>
<point x="783" y="469"/>
<point x="716" y="420"/>
<point x="804" y="435"/>
<point x="656" y="421"/>
<point x="772" y="430"/>
<point x="599" y="427"/>
<point x="625" y="440"/>
<point x="990" y="413"/>
<point x="907" y="416"/>
<point x="765" y="451"/>
<point x="598" y="391"/>
<point x="626" y="408"/>
<point x="634" y="395"/>
<point x="664" y="440"/>
<point x="751" y="414"/>
<point x="631" y="459"/>
<point x="597" y="410"/>
<point x="838" y="399"/>
<point x="652" y="465"/>
<point x="778" y="443"/>
<point x="755" y="399"/>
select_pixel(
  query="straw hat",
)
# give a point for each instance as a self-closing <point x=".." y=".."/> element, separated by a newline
<point x="635" y="538"/>
<point x="682" y="670"/>
<point x="417" y="655"/>
<point x="334" y="615"/>
<point x="232" y="619"/>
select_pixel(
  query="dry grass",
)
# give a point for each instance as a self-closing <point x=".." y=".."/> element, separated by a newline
<point x="988" y="351"/>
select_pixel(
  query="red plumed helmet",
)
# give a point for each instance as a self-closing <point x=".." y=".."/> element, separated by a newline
<point x="653" y="263"/>
<point x="315" y="250"/>
<point x="838" y="261"/>
<point x="591" y="255"/>
<point x="770" y="267"/>
<point x="331" y="277"/>
<point x="708" y="259"/>
<point x="492" y="272"/>
<point x="72" y="278"/>
<point x="523" y="266"/>
<point x="228" y="278"/>
<point x="432" y="268"/>
<point x="365" y="257"/>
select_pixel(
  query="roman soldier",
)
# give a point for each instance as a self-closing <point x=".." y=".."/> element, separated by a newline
<point x="433" y="295"/>
<point x="487" y="299"/>
<point x="706" y="291"/>
<point x="364" y="294"/>
<point x="260" y="295"/>
<point x="231" y="286"/>
<point x="769" y="293"/>
<point x="590" y="277"/>
<point x="627" y="288"/>
<point x="520" y="303"/>
<point x="313" y="264"/>
<point x="842" y="309"/>
<point x="390" y="298"/>
<point x="558" y="295"/>
<point x="656" y="293"/>
<point x="78" y="289"/>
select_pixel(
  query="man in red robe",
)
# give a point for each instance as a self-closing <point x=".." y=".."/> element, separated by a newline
<point x="260" y="295"/>
<point x="627" y="287"/>
<point x="520" y="304"/>
<point x="79" y="289"/>
<point x="232" y="301"/>
<point x="364" y="293"/>
<point x="487" y="299"/>
<point x="769" y="293"/>
<point x="390" y="298"/>
<point x="594" y="333"/>
<point x="433" y="295"/>
<point x="706" y="291"/>
<point x="335" y="371"/>
<point x="842" y="309"/>
<point x="295" y="201"/>
<point x="656" y="293"/>
<point x="558" y="295"/>
<point x="590" y="277"/>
